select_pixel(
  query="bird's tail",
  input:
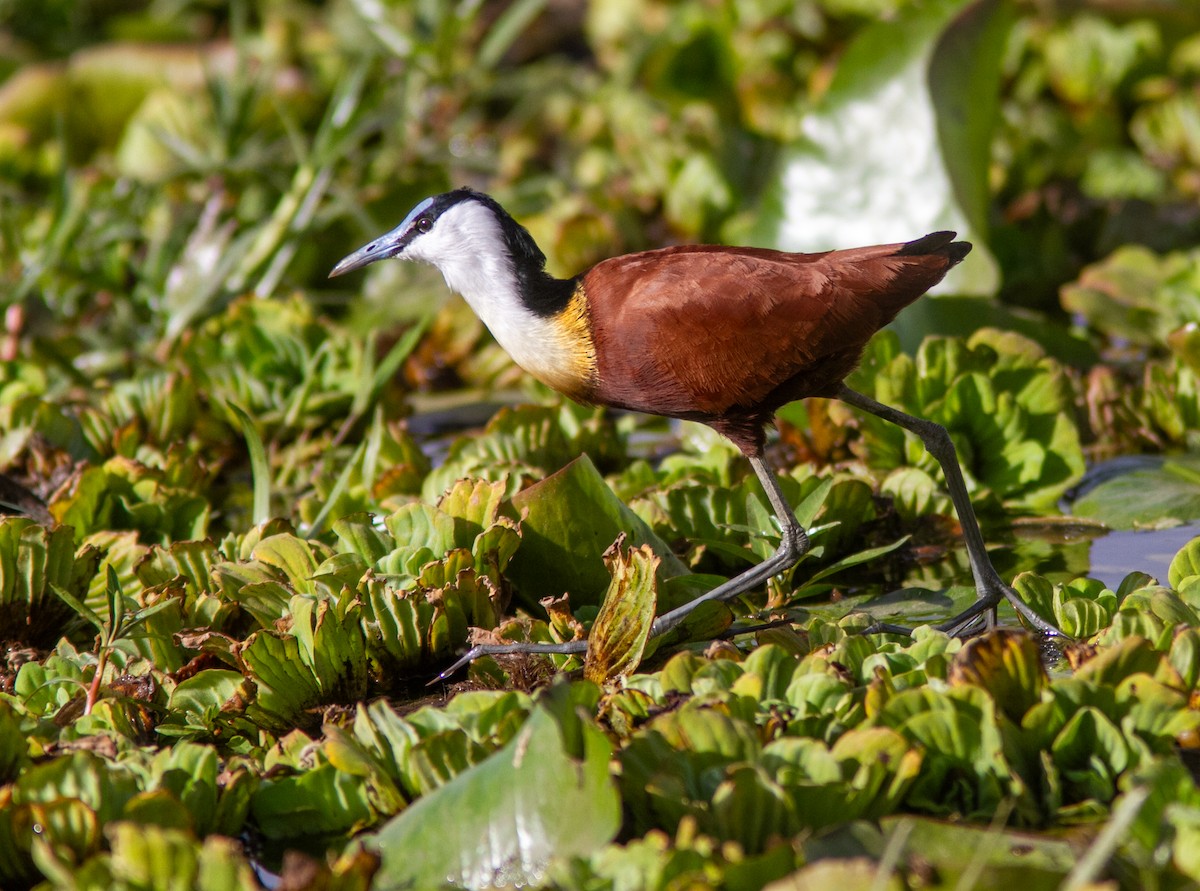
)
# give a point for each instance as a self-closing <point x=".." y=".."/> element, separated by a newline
<point x="936" y="243"/>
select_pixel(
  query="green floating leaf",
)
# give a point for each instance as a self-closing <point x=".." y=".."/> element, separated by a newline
<point x="568" y="521"/>
<point x="1091" y="751"/>
<point x="13" y="749"/>
<point x="1129" y="656"/>
<point x="1137" y="295"/>
<point x="1037" y="592"/>
<point x="618" y="636"/>
<point x="983" y="857"/>
<point x="851" y="874"/>
<point x="190" y="560"/>
<point x="125" y="494"/>
<point x="474" y="505"/>
<point x="1081" y="608"/>
<point x="1006" y="405"/>
<point x="44" y="687"/>
<point x="322" y="801"/>
<point x="58" y="832"/>
<point x="523" y="444"/>
<point x="104" y="787"/>
<point x="43" y="581"/>
<point x="1186" y="850"/>
<point x="866" y="773"/>
<point x="158" y="808"/>
<point x="291" y="555"/>
<point x="915" y="493"/>
<point x="322" y="662"/>
<point x="1081" y="618"/>
<point x="147" y="856"/>
<point x="16" y="865"/>
<point x="350" y="756"/>
<point x="1185" y="565"/>
<point x="1007" y="664"/>
<point x="188" y="772"/>
<point x="964" y="770"/>
<point x="1159" y="714"/>
<point x="546" y="795"/>
<point x="416" y="623"/>
<point x="1136" y="624"/>
<point x="1152" y="490"/>
<point x="359" y="534"/>
<point x="768" y="671"/>
<point x="752" y="809"/>
<point x="438" y="758"/>
<point x="433" y="746"/>
<point x="668" y="770"/>
<point x="1184" y="659"/>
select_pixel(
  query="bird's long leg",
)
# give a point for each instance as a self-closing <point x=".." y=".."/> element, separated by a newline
<point x="793" y="544"/>
<point x="990" y="588"/>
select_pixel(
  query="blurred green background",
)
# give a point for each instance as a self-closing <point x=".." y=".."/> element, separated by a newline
<point x="182" y="387"/>
<point x="158" y="159"/>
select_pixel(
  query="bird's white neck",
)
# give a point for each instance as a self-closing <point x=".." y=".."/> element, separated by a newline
<point x="469" y="248"/>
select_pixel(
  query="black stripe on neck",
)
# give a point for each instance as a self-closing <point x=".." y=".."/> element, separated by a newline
<point x="544" y="294"/>
<point x="541" y="292"/>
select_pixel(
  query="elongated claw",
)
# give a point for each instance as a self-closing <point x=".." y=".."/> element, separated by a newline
<point x="569" y="648"/>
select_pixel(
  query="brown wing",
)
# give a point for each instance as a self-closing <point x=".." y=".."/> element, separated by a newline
<point x="718" y="333"/>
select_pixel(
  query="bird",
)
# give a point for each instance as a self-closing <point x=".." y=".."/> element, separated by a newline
<point x="718" y="334"/>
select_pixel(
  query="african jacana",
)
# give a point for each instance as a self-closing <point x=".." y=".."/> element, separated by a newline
<point x="721" y="335"/>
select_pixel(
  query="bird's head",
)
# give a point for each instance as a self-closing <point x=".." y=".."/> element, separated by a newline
<point x="453" y="231"/>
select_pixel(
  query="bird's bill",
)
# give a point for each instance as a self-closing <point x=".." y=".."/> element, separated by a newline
<point x="380" y="249"/>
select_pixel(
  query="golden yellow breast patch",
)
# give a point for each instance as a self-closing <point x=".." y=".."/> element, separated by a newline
<point x="572" y="370"/>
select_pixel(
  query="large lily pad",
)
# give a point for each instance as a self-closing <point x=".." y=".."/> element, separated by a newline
<point x="1144" y="491"/>
<point x="545" y="796"/>
<point x="568" y="521"/>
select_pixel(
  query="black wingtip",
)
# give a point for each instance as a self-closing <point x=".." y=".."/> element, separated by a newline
<point x="937" y="243"/>
<point x="956" y="250"/>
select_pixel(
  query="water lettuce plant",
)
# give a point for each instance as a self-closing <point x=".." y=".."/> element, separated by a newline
<point x="250" y="516"/>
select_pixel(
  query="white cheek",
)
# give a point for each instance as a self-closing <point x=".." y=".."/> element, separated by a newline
<point x="468" y="248"/>
<point x="433" y="247"/>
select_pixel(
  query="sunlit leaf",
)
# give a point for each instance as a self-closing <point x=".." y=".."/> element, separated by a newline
<point x="1122" y="501"/>
<point x="322" y="662"/>
<point x="546" y="795"/>
<point x="147" y="856"/>
<point x="1007" y="664"/>
<point x="568" y="521"/>
<point x="1137" y="294"/>
<point x="618" y="636"/>
<point x="36" y="564"/>
<point x="1185" y="564"/>
<point x="320" y="801"/>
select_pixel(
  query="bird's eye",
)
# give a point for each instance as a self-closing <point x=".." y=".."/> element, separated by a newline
<point x="424" y="224"/>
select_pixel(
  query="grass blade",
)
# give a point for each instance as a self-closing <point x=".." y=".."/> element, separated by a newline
<point x="365" y="399"/>
<point x="343" y="481"/>
<point x="260" y="469"/>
